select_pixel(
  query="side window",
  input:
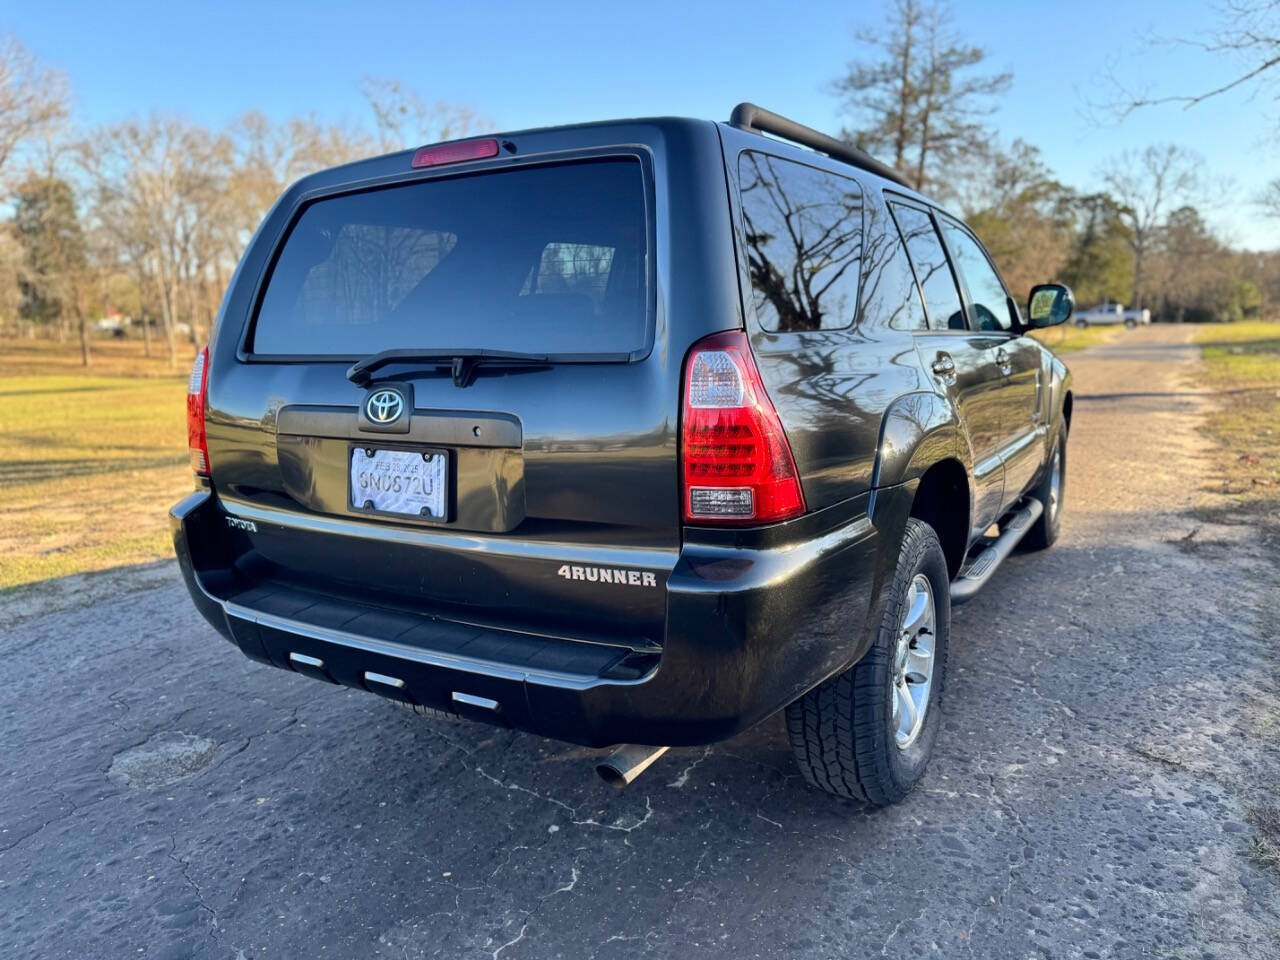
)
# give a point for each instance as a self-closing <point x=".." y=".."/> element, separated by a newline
<point x="889" y="292"/>
<point x="930" y="259"/>
<point x="803" y="243"/>
<point x="990" y="302"/>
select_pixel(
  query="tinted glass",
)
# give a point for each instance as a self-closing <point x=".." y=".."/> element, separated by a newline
<point x="930" y="260"/>
<point x="804" y="241"/>
<point x="537" y="260"/>
<point x="990" y="302"/>
<point x="889" y="293"/>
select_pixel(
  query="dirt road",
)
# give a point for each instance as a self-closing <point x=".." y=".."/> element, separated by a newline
<point x="1112" y="724"/>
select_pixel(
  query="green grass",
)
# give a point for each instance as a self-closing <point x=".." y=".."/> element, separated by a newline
<point x="1242" y="363"/>
<point x="1068" y="338"/>
<point x="1241" y="353"/>
<point x="88" y="467"/>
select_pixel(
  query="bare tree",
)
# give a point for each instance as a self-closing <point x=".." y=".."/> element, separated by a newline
<point x="155" y="186"/>
<point x="403" y="119"/>
<point x="1146" y="185"/>
<point x="267" y="157"/>
<point x="1270" y="199"/>
<point x="1248" y="35"/>
<point x="33" y="101"/>
<point x="914" y="98"/>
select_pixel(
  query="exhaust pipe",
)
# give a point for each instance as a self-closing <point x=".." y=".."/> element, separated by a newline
<point x="626" y="763"/>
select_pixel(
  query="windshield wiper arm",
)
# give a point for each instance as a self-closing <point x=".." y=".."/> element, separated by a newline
<point x="463" y="362"/>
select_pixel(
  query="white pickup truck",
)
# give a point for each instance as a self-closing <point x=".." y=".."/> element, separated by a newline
<point x="1106" y="313"/>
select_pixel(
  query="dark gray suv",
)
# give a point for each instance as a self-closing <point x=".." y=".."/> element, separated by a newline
<point x="629" y="433"/>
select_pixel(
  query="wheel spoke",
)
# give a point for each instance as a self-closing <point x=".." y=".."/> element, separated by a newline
<point x="918" y="611"/>
<point x="906" y="710"/>
<point x="920" y="660"/>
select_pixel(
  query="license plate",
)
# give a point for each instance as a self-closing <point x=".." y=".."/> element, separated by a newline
<point x="408" y="483"/>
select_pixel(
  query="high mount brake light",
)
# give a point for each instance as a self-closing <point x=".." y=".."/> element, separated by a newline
<point x="736" y="464"/>
<point x="197" y="394"/>
<point x="444" y="153"/>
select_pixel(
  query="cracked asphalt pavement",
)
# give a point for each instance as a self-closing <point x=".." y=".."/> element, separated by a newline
<point x="1112" y="718"/>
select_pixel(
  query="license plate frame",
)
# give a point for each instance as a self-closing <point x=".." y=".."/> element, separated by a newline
<point x="398" y="499"/>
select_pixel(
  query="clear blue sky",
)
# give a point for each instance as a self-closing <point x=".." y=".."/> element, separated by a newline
<point x="532" y="64"/>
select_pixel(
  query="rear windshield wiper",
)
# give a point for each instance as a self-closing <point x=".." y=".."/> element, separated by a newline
<point x="462" y="362"/>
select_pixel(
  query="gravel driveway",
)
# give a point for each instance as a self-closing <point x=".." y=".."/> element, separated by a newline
<point x="1113" y="721"/>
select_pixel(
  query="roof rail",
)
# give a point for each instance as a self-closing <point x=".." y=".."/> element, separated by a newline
<point x="748" y="116"/>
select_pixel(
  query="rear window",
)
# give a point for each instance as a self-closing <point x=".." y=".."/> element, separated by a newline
<point x="548" y="259"/>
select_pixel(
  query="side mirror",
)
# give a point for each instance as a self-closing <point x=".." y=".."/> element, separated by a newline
<point x="1049" y="305"/>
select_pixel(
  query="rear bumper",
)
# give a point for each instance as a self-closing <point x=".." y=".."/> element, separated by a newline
<point x="750" y="627"/>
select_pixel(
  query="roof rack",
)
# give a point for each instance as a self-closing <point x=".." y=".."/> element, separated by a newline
<point x="748" y="116"/>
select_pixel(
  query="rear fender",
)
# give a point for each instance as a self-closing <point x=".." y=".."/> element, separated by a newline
<point x="917" y="431"/>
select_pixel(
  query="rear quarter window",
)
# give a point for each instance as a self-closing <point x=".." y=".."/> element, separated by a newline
<point x="548" y="259"/>
<point x="803" y="242"/>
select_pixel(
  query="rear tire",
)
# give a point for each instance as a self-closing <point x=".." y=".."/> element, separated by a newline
<point x="1051" y="491"/>
<point x="1130" y="324"/>
<point x="851" y="735"/>
<point x="1082" y="324"/>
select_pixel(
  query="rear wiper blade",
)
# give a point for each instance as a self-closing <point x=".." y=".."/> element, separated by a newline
<point x="463" y="362"/>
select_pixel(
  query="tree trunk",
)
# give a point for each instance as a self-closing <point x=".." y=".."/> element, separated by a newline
<point x="924" y="150"/>
<point x="84" y="337"/>
<point x="1137" y="277"/>
<point x="146" y="331"/>
<point x="167" y="295"/>
<point x="904" y="102"/>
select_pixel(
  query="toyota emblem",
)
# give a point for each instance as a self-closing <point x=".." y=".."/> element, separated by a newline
<point x="384" y="406"/>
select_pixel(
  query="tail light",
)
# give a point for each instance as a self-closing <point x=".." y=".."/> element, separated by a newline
<point x="197" y="392"/>
<point x="735" y="460"/>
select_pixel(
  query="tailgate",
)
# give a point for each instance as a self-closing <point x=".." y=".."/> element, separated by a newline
<point x="563" y="514"/>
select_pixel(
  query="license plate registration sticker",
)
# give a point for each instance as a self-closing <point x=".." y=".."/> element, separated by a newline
<point x="410" y="483"/>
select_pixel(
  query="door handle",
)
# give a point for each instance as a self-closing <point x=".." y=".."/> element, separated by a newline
<point x="945" y="368"/>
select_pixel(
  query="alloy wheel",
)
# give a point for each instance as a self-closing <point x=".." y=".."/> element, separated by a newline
<point x="912" y="676"/>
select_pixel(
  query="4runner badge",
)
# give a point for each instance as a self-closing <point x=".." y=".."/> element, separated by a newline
<point x="629" y="578"/>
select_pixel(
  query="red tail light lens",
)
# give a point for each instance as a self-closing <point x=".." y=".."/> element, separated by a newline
<point x="197" y="392"/>
<point x="444" y="153"/>
<point x="736" y="463"/>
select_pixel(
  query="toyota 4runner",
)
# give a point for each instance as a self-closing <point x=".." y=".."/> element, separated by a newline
<point x="629" y="433"/>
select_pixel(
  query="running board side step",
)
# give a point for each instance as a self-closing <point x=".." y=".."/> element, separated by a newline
<point x="974" y="575"/>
